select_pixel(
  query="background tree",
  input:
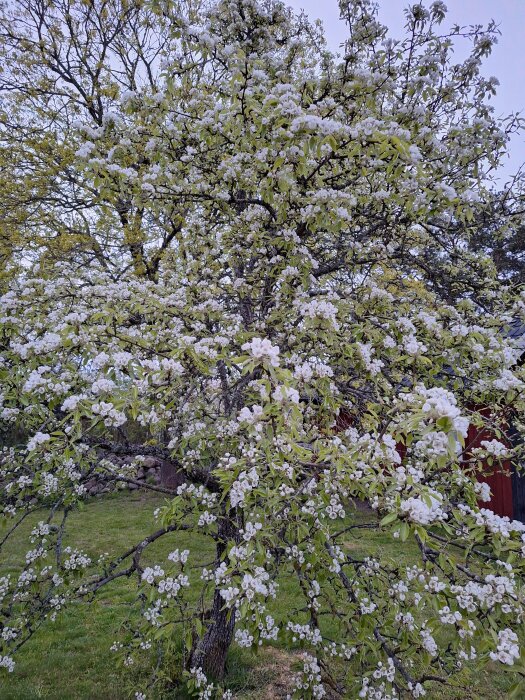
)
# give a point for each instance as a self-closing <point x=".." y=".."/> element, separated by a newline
<point x="502" y="235"/>
<point x="64" y="62"/>
<point x="273" y="226"/>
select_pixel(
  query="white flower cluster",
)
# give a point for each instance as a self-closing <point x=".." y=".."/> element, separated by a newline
<point x="23" y="482"/>
<point x="4" y="586"/>
<point x="448" y="616"/>
<point x="320" y="309"/>
<point x="37" y="439"/>
<point x="507" y="380"/>
<point x="112" y="417"/>
<point x="41" y="530"/>
<point x="251" y="586"/>
<point x="245" y="483"/>
<point x="171" y="586"/>
<point x="367" y="352"/>
<point x="250" y="530"/>
<point x="433" y="444"/>
<point x="441" y="403"/>
<point x="252" y="416"/>
<point x="312" y="367"/>
<point x="71" y="402"/>
<point x="85" y="150"/>
<point x="151" y="573"/>
<point x="38" y="384"/>
<point x="267" y="628"/>
<point x="413" y="346"/>
<point x="49" y="484"/>
<point x="378" y="692"/>
<point x="152" y="614"/>
<point x="507" y="650"/>
<point x="9" y="633"/>
<point x="218" y="575"/>
<point x="256" y="583"/>
<point x="495" y="448"/>
<point x="206" y="518"/>
<point x="310" y="678"/>
<point x="304" y="632"/>
<point x="496" y="524"/>
<point x="99" y="361"/>
<point x="244" y="638"/>
<point x="406" y="620"/>
<point x="285" y="393"/>
<point x="56" y="603"/>
<point x="33" y="554"/>
<point x="26" y="578"/>
<point x="8" y="414"/>
<point x="312" y="122"/>
<point x="424" y="510"/>
<point x="102" y="385"/>
<point x="160" y="368"/>
<point x="262" y="349"/>
<point x="121" y="359"/>
<point x="201" y="683"/>
<point x="367" y="606"/>
<point x="387" y="670"/>
<point x="179" y="557"/>
<point x="495" y="590"/>
<point x="76" y="559"/>
<point x="8" y="663"/>
<point x="199" y="493"/>
<point x="482" y="491"/>
<point x="335" y="508"/>
<point x="428" y="642"/>
<point x="46" y="344"/>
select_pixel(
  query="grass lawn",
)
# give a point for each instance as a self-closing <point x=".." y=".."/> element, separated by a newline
<point x="70" y="659"/>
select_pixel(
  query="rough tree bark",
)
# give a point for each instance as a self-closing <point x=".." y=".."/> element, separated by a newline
<point x="210" y="651"/>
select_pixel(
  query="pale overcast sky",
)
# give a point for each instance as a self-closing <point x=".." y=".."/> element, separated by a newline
<point x="507" y="61"/>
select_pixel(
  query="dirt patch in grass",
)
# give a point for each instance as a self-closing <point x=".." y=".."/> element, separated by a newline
<point x="274" y="675"/>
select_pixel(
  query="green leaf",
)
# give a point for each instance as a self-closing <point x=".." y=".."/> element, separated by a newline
<point x="404" y="532"/>
<point x="188" y="640"/>
<point x="388" y="519"/>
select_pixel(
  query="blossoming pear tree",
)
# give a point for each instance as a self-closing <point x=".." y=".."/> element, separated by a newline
<point x="316" y="333"/>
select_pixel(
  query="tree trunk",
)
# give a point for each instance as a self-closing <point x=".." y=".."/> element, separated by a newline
<point x="210" y="652"/>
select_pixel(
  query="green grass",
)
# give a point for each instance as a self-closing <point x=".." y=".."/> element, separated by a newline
<point x="70" y="659"/>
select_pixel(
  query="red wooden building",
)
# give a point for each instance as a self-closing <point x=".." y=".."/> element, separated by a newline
<point x="507" y="485"/>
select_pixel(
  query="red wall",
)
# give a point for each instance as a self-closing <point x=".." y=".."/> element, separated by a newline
<point x="498" y="477"/>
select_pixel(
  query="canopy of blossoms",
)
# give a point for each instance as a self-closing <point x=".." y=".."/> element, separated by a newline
<point x="319" y="267"/>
